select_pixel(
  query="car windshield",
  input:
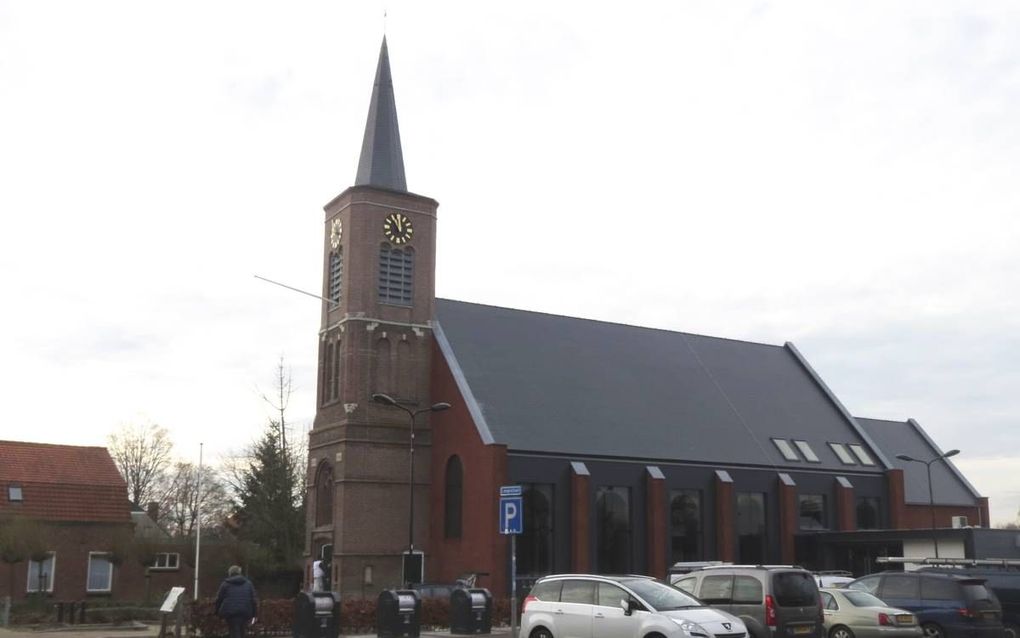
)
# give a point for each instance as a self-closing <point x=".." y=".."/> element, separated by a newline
<point x="661" y="596"/>
<point x="863" y="599"/>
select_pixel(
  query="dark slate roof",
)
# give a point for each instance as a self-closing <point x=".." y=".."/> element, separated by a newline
<point x="382" y="161"/>
<point x="949" y="487"/>
<point x="547" y="383"/>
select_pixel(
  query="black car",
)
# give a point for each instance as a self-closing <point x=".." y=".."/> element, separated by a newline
<point x="947" y="606"/>
<point x="1005" y="583"/>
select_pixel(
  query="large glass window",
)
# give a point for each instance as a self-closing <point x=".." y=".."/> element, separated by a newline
<point x="685" y="525"/>
<point x="100" y="572"/>
<point x="812" y="511"/>
<point x="612" y="512"/>
<point x="751" y="520"/>
<point x="324" y="494"/>
<point x="454" y="497"/>
<point x="40" y="573"/>
<point x="869" y="512"/>
<point x="535" y="545"/>
<point x="396" y="270"/>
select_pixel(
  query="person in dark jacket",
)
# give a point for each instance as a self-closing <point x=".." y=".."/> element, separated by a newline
<point x="236" y="602"/>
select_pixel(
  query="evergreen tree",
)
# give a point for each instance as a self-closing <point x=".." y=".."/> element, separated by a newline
<point x="271" y="510"/>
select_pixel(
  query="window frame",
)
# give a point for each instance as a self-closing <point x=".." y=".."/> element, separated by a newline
<point x="785" y="449"/>
<point x="844" y="455"/>
<point x="861" y="454"/>
<point x="11" y="491"/>
<point x="109" y="574"/>
<point x="167" y="567"/>
<point x="807" y="451"/>
<point x="51" y="557"/>
<point x="802" y="499"/>
<point x="395" y="286"/>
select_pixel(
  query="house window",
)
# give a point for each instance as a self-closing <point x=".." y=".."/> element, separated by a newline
<point x="167" y="561"/>
<point x="535" y="546"/>
<point x="324" y="494"/>
<point x="40" y="574"/>
<point x="685" y="525"/>
<point x="869" y="512"/>
<point x="454" y="497"/>
<point x="806" y="450"/>
<point x="14" y="494"/>
<point x="751" y="527"/>
<point x="100" y="572"/>
<point x="861" y="454"/>
<point x="812" y="511"/>
<point x="842" y="453"/>
<point x="785" y="449"/>
<point x="336" y="274"/>
<point x="612" y="527"/>
<point x="396" y="270"/>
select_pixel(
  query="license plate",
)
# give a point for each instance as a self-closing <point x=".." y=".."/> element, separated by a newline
<point x="990" y="614"/>
<point x="904" y="619"/>
<point x="800" y="630"/>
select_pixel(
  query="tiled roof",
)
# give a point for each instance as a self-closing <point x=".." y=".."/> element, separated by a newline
<point x="62" y="483"/>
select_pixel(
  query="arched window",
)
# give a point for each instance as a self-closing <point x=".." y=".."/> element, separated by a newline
<point x="454" y="497"/>
<point x="327" y="373"/>
<point x="396" y="274"/>
<point x="324" y="494"/>
<point x="336" y="275"/>
<point x="334" y="386"/>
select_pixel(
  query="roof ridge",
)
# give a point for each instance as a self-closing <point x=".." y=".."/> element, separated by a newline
<point x="616" y="323"/>
<point x="63" y="445"/>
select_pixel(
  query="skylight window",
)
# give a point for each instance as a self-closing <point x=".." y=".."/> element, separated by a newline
<point x="861" y="454"/>
<point x="842" y="453"/>
<point x="806" y="450"/>
<point x="785" y="449"/>
<point x="14" y="493"/>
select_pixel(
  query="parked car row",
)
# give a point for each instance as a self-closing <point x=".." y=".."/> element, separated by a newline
<point x="762" y="601"/>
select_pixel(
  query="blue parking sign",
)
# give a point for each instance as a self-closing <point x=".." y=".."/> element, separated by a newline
<point x="511" y="515"/>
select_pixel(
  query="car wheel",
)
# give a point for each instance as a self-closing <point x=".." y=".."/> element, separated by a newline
<point x="931" y="630"/>
<point x="541" y="632"/>
<point x="1012" y="631"/>
<point x="841" y="631"/>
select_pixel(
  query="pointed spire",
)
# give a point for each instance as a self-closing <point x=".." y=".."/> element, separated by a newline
<point x="382" y="161"/>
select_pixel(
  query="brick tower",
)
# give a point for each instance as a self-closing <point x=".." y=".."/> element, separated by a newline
<point x="379" y="247"/>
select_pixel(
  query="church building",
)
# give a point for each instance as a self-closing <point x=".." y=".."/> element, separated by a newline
<point x="634" y="447"/>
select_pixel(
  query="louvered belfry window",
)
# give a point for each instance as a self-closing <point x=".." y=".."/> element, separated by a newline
<point x="396" y="274"/>
<point x="336" y="274"/>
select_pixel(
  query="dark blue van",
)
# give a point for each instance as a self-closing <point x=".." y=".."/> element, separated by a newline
<point x="947" y="606"/>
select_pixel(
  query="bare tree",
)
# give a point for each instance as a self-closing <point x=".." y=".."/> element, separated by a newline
<point x="141" y="453"/>
<point x="181" y="500"/>
<point x="281" y="400"/>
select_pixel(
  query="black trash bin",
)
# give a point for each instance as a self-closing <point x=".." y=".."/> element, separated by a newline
<point x="317" y="615"/>
<point x="470" y="611"/>
<point x="398" y="614"/>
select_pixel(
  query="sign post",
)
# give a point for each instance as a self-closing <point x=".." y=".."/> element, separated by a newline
<point x="511" y="521"/>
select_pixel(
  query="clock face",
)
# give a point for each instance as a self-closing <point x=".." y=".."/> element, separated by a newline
<point x="397" y="228"/>
<point x="336" y="233"/>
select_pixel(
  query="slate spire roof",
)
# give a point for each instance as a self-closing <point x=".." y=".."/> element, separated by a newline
<point x="382" y="161"/>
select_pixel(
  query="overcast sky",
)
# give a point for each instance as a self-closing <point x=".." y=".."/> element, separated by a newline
<point x="842" y="175"/>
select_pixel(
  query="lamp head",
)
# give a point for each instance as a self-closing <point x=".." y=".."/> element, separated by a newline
<point x="439" y="407"/>
<point x="905" y="457"/>
<point x="950" y="453"/>
<point x="385" y="399"/>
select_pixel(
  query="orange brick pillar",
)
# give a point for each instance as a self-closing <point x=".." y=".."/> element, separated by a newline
<point x="580" y="519"/>
<point x="788" y="518"/>
<point x="846" y="511"/>
<point x="725" y="517"/>
<point x="655" y="521"/>
<point x="897" y="499"/>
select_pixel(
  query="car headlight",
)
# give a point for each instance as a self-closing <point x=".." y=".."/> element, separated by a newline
<point x="691" y="628"/>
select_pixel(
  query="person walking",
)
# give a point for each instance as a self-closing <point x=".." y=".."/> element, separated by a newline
<point x="236" y="602"/>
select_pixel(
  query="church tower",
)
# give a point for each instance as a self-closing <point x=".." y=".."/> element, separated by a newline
<point x="379" y="243"/>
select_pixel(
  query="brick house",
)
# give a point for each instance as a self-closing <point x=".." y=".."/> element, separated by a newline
<point x="78" y="503"/>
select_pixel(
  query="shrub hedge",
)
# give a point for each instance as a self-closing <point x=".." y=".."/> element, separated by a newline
<point x="276" y="616"/>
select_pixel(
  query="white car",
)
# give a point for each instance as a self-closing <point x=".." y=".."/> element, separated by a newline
<point x="590" y="606"/>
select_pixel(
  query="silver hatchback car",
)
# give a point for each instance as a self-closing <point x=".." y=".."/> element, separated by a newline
<point x="589" y="606"/>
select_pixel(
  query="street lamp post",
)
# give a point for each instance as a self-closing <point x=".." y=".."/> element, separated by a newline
<point x="386" y="399"/>
<point x="931" y="493"/>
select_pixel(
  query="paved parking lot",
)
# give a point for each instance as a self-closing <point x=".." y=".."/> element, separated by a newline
<point x="149" y="632"/>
